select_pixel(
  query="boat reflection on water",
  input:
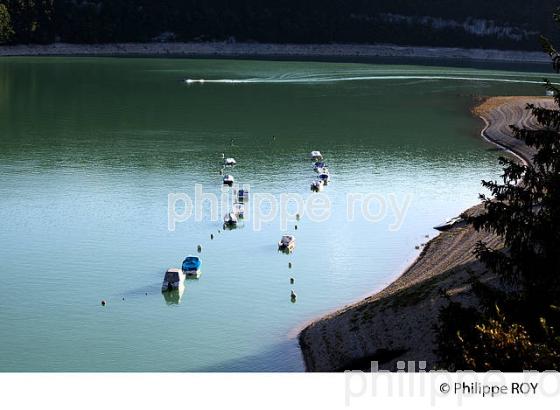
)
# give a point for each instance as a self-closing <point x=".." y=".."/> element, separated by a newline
<point x="174" y="296"/>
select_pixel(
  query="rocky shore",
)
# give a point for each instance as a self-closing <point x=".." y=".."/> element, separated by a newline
<point x="398" y="323"/>
<point x="261" y="50"/>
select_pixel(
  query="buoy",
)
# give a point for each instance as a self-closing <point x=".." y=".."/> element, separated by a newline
<point x="223" y="155"/>
<point x="146" y="293"/>
<point x="290" y="265"/>
<point x="211" y="236"/>
<point x="199" y="248"/>
<point x="219" y="231"/>
<point x="103" y="303"/>
<point x="292" y="281"/>
<point x="427" y="236"/>
<point x="122" y="298"/>
<point x="295" y="227"/>
<point x="297" y="217"/>
<point x="293" y="296"/>
<point x="416" y="247"/>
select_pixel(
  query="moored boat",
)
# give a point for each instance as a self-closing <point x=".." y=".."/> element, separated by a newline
<point x="230" y="220"/>
<point x="325" y="178"/>
<point x="320" y="167"/>
<point x="287" y="243"/>
<point x="242" y="195"/>
<point x="450" y="223"/>
<point x="317" y="185"/>
<point x="316" y="155"/>
<point x="191" y="266"/>
<point x="239" y="210"/>
<point x="172" y="280"/>
<point x="229" y="180"/>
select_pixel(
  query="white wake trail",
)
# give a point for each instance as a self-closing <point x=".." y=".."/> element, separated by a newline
<point x="358" y="78"/>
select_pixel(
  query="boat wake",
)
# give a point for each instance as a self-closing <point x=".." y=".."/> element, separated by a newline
<point x="313" y="80"/>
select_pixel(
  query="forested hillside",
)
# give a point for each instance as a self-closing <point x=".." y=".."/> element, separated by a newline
<point x="513" y="24"/>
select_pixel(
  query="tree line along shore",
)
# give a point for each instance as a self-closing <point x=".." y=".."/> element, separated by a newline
<point x="468" y="23"/>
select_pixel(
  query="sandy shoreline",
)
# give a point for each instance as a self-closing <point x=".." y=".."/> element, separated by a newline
<point x="397" y="323"/>
<point x="262" y="50"/>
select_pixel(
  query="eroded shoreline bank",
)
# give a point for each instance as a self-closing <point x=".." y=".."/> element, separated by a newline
<point x="281" y="51"/>
<point x="398" y="323"/>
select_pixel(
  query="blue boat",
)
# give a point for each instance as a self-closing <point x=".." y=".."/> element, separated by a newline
<point x="325" y="178"/>
<point x="242" y="195"/>
<point x="191" y="266"/>
<point x="321" y="168"/>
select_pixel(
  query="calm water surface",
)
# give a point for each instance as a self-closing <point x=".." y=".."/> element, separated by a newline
<point x="91" y="148"/>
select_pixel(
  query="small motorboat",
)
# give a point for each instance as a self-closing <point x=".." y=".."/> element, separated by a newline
<point x="317" y="186"/>
<point x="230" y="162"/>
<point x="239" y="210"/>
<point x="450" y="223"/>
<point x="320" y="167"/>
<point x="316" y="155"/>
<point x="230" y="220"/>
<point x="287" y="243"/>
<point x="242" y="195"/>
<point x="191" y="267"/>
<point x="228" y="180"/>
<point x="172" y="280"/>
<point x="325" y="177"/>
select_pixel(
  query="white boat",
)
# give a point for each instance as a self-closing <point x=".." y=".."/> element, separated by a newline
<point x="450" y="223"/>
<point x="320" y="168"/>
<point x="230" y="162"/>
<point x="228" y="180"/>
<point x="317" y="185"/>
<point x="230" y="219"/>
<point x="316" y="155"/>
<point x="239" y="210"/>
<point x="172" y="280"/>
<point x="325" y="178"/>
<point x="287" y="243"/>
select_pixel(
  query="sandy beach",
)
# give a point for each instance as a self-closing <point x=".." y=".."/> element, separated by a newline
<point x="397" y="324"/>
<point x="287" y="51"/>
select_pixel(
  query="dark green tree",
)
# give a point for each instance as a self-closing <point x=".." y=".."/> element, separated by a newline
<point x="524" y="208"/>
<point x="516" y="329"/>
<point x="6" y="30"/>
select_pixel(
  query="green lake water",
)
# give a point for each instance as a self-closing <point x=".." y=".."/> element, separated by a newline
<point x="90" y="148"/>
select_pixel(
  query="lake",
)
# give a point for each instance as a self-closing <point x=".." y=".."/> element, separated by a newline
<point x="90" y="149"/>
